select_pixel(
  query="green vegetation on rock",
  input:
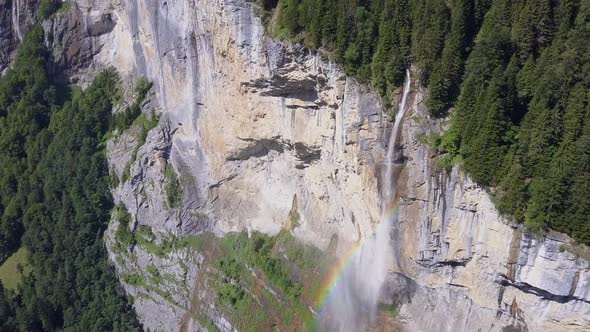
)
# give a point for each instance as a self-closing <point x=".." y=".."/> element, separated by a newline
<point x="47" y="8"/>
<point x="262" y="282"/>
<point x="391" y="309"/>
<point x="207" y="323"/>
<point x="257" y="281"/>
<point x="123" y="235"/>
<point x="124" y="120"/>
<point x="131" y="117"/>
<point x="173" y="188"/>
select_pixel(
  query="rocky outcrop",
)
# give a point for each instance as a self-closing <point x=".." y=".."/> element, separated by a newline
<point x="74" y="38"/>
<point x="462" y="253"/>
<point x="6" y="33"/>
<point x="16" y="19"/>
<point x="251" y="129"/>
<point x="73" y="35"/>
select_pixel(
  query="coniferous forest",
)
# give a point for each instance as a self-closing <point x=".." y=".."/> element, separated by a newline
<point x="513" y="76"/>
<point x="55" y="199"/>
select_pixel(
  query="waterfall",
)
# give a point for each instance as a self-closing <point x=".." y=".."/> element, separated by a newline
<point x="353" y="301"/>
<point x="389" y="186"/>
<point x="16" y="19"/>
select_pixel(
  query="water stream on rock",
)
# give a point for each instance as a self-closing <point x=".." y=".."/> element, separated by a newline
<point x="353" y="302"/>
<point x="389" y="187"/>
<point x="16" y="19"/>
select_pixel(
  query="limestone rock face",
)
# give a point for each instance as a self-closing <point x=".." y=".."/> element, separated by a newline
<point x="251" y="128"/>
<point x="460" y="251"/>
<point x="74" y="38"/>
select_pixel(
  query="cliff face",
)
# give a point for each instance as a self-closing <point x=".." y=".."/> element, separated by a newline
<point x="253" y="130"/>
<point x="16" y="18"/>
<point x="473" y="268"/>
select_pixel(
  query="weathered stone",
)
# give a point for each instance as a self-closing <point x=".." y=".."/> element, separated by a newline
<point x="16" y="19"/>
<point x="248" y="123"/>
<point x="453" y="241"/>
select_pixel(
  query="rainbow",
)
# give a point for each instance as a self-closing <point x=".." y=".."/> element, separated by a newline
<point x="342" y="263"/>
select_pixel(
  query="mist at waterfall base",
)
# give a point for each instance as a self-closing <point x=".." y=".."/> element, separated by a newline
<point x="352" y="294"/>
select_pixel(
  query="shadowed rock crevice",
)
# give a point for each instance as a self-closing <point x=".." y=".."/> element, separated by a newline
<point x="451" y="263"/>
<point x="291" y="76"/>
<point x="257" y="149"/>
<point x="263" y="147"/>
<point x="398" y="289"/>
<point x="304" y="89"/>
<point x="542" y="293"/>
<point x="307" y="154"/>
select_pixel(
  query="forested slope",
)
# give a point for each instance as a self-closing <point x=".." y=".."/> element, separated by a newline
<point x="55" y="199"/>
<point x="516" y="75"/>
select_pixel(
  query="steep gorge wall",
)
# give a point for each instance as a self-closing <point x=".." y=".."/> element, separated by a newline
<point x="256" y="125"/>
<point x="474" y="268"/>
<point x="253" y="129"/>
<point x="16" y="18"/>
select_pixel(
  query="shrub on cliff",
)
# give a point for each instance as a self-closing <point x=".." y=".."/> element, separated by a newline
<point x="48" y="7"/>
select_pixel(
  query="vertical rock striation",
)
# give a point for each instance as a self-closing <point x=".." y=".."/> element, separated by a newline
<point x="75" y="36"/>
<point x="16" y="18"/>
<point x="251" y="124"/>
<point x="249" y="129"/>
<point x="474" y="268"/>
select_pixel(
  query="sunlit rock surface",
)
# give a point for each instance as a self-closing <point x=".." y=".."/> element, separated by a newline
<point x="476" y="269"/>
<point x="253" y="128"/>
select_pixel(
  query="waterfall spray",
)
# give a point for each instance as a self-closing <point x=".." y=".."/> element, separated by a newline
<point x="351" y="297"/>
